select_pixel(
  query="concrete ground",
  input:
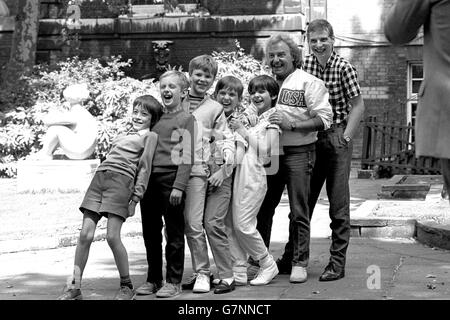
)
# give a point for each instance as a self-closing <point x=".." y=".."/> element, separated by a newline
<point x="377" y="268"/>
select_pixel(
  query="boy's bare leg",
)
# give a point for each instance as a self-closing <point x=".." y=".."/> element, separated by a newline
<point x="115" y="243"/>
<point x="90" y="220"/>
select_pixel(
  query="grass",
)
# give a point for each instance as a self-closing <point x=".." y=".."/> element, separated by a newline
<point x="29" y="215"/>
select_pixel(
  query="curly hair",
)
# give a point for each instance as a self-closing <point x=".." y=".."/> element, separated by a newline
<point x="296" y="52"/>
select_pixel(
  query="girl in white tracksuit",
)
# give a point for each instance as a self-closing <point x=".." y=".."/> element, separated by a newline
<point x="250" y="183"/>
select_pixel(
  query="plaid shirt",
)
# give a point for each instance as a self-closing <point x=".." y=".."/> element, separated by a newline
<point x="341" y="80"/>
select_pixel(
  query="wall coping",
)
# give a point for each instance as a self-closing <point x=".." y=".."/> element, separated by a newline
<point x="186" y="24"/>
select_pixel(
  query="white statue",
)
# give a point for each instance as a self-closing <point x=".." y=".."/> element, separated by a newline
<point x="4" y="11"/>
<point x="74" y="131"/>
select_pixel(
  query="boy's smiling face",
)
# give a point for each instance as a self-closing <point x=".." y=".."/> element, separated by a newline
<point x="261" y="99"/>
<point x="140" y="118"/>
<point x="171" y="92"/>
<point x="200" y="82"/>
<point x="229" y="99"/>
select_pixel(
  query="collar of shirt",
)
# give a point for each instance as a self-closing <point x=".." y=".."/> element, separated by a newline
<point x="331" y="60"/>
<point x="140" y="132"/>
<point x="178" y="108"/>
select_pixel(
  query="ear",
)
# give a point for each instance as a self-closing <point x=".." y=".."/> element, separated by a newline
<point x="273" y="97"/>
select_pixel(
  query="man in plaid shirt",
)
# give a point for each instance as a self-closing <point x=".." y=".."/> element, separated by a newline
<point x="334" y="146"/>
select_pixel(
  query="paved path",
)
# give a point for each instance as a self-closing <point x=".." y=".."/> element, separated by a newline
<point x="376" y="269"/>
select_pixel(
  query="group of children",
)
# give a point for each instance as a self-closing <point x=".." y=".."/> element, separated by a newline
<point x="197" y="166"/>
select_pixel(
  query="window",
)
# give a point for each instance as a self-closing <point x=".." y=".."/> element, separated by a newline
<point x="415" y="77"/>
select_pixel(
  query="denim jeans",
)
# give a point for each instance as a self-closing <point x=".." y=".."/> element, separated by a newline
<point x="154" y="206"/>
<point x="333" y="157"/>
<point x="216" y="212"/>
<point x="194" y="214"/>
<point x="295" y="171"/>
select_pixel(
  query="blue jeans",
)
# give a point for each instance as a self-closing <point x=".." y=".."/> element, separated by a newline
<point x="295" y="171"/>
<point x="332" y="165"/>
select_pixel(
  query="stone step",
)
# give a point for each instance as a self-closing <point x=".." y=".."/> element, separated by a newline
<point x="55" y="175"/>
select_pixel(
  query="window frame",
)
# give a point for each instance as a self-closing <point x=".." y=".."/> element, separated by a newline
<point x="412" y="98"/>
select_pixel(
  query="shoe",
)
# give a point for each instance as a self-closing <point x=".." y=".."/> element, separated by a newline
<point x="252" y="271"/>
<point x="331" y="274"/>
<point x="224" y="287"/>
<point x="202" y="283"/>
<point x="148" y="288"/>
<point x="265" y="274"/>
<point x="298" y="274"/>
<point x="190" y="282"/>
<point x="283" y="266"/>
<point x="240" y="278"/>
<point x="125" y="293"/>
<point x="169" y="290"/>
<point x="71" y="294"/>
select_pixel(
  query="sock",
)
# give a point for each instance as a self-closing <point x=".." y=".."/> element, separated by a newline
<point x="266" y="261"/>
<point x="126" y="282"/>
<point x="76" y="280"/>
<point x="228" y="280"/>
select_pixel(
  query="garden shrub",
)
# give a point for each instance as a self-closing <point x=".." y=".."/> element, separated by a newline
<point x="111" y="96"/>
<point x="25" y="100"/>
<point x="239" y="64"/>
<point x="98" y="8"/>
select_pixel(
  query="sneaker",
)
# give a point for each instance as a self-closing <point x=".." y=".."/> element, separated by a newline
<point x="265" y="274"/>
<point x="148" y="288"/>
<point x="71" y="294"/>
<point x="240" y="278"/>
<point x="252" y="271"/>
<point x="124" y="293"/>
<point x="189" y="284"/>
<point x="169" y="290"/>
<point x="202" y="283"/>
<point x="298" y="274"/>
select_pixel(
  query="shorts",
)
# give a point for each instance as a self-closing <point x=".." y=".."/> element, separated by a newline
<point x="109" y="192"/>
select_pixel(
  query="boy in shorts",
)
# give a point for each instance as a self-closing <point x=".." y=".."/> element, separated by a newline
<point x="118" y="185"/>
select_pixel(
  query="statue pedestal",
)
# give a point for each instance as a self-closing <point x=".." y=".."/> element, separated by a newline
<point x="55" y="175"/>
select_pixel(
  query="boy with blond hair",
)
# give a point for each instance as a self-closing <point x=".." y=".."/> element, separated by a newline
<point x="165" y="196"/>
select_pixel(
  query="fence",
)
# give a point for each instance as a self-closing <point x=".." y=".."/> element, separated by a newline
<point x="390" y="146"/>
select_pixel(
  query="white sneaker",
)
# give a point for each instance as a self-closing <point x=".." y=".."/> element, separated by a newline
<point x="202" y="284"/>
<point x="265" y="274"/>
<point x="298" y="274"/>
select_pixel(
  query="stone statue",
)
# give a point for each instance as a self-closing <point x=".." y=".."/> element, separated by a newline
<point x="4" y="11"/>
<point x="74" y="131"/>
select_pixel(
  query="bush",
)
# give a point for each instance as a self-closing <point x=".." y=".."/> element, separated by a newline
<point x="99" y="8"/>
<point x="239" y="64"/>
<point x="26" y="99"/>
<point x="111" y="96"/>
